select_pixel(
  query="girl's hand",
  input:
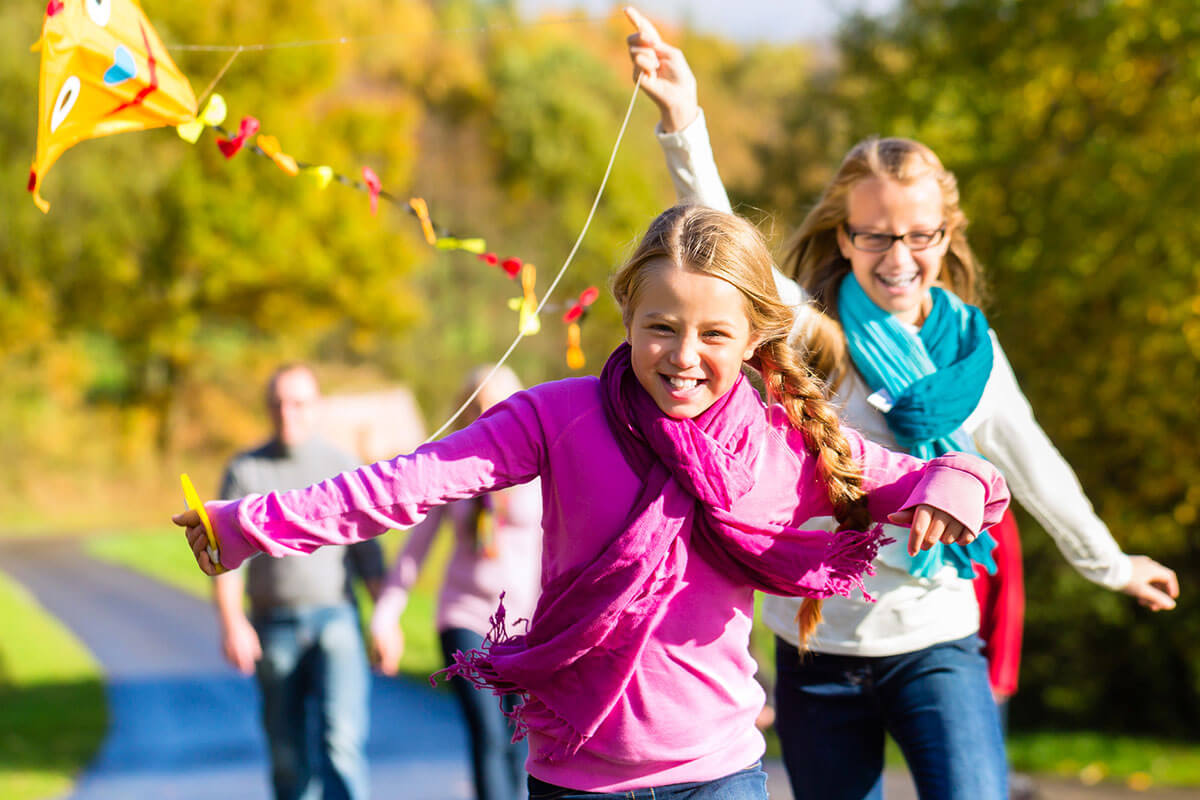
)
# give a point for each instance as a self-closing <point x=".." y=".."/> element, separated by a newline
<point x="666" y="77"/>
<point x="928" y="526"/>
<point x="1154" y="585"/>
<point x="197" y="539"/>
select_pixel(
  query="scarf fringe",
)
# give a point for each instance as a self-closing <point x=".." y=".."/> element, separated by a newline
<point x="475" y="667"/>
<point x="849" y="559"/>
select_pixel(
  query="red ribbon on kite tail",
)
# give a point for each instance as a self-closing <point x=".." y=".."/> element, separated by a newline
<point x="231" y="147"/>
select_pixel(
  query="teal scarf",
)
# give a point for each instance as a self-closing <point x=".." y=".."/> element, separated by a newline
<point x="934" y="380"/>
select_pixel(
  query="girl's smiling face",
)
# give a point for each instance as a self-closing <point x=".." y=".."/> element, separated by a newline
<point x="897" y="280"/>
<point x="689" y="335"/>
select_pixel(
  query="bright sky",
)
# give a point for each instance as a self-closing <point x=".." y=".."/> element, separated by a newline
<point x="744" y="20"/>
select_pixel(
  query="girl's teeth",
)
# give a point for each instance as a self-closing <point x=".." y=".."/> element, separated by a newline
<point x="899" y="281"/>
<point x="683" y="383"/>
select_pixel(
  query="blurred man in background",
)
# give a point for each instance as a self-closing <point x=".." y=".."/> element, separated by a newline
<point x="302" y="637"/>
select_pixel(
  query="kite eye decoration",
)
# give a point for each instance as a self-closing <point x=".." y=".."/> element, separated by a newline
<point x="67" y="96"/>
<point x="99" y="10"/>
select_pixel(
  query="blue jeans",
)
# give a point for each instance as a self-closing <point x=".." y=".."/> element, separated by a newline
<point x="746" y="784"/>
<point x="497" y="763"/>
<point x="315" y="683"/>
<point x="832" y="711"/>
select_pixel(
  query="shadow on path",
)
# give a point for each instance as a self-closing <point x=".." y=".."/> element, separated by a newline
<point x="182" y="723"/>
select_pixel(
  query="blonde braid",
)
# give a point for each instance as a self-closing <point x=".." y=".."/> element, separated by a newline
<point x="792" y="385"/>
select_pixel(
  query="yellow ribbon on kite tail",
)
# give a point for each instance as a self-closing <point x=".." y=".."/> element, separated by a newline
<point x="529" y="324"/>
<point x="476" y="246"/>
<point x="104" y="71"/>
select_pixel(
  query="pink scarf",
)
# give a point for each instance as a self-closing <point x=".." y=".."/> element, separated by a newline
<point x="591" y="625"/>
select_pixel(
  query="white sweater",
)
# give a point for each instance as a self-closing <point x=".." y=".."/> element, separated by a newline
<point x="911" y="613"/>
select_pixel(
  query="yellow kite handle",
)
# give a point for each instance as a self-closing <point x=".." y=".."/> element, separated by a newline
<point x="193" y="501"/>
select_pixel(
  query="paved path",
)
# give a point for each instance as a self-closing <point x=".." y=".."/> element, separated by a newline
<point x="183" y="725"/>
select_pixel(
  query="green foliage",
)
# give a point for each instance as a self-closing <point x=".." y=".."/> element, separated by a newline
<point x="189" y="275"/>
<point x="1071" y="127"/>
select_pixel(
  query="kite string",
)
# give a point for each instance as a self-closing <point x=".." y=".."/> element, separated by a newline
<point x="204" y="95"/>
<point x="570" y="256"/>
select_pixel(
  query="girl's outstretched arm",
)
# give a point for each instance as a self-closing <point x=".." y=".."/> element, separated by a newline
<point x="949" y="498"/>
<point x="504" y="447"/>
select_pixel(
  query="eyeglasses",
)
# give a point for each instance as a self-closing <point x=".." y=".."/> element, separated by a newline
<point x="882" y="242"/>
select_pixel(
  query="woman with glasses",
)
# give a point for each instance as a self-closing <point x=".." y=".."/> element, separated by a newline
<point x="888" y="284"/>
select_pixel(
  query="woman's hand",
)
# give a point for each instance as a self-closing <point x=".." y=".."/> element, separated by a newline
<point x="666" y="77"/>
<point x="928" y="526"/>
<point x="197" y="539"/>
<point x="241" y="645"/>
<point x="387" y="648"/>
<point x="1154" y="585"/>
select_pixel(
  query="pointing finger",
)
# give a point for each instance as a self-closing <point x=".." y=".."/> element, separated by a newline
<point x="645" y="27"/>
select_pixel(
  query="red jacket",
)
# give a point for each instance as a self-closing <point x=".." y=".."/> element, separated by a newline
<point x="1002" y="607"/>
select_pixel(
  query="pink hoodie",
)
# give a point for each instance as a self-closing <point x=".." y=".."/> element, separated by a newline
<point x="688" y="712"/>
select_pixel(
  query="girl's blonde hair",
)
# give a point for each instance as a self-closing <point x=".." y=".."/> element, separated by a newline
<point x="728" y="247"/>
<point x="814" y="259"/>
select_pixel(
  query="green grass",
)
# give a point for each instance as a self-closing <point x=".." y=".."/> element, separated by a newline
<point x="1092" y="757"/>
<point x="52" y="710"/>
<point x="164" y="555"/>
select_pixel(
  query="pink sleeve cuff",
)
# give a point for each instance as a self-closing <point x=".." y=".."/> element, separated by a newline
<point x="235" y="548"/>
<point x="965" y="487"/>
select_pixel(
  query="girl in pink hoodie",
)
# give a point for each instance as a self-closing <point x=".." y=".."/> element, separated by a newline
<point x="670" y="492"/>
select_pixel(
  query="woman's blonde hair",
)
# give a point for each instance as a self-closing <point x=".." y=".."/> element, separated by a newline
<point x="499" y="386"/>
<point x="816" y="262"/>
<point x="728" y="247"/>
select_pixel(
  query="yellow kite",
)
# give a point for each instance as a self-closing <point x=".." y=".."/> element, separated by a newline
<point x="104" y="71"/>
